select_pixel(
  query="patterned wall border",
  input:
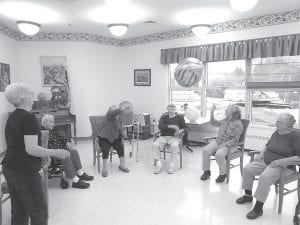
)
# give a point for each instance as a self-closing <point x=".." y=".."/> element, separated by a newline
<point x="268" y="20"/>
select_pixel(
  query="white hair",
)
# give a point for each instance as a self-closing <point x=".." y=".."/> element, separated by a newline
<point x="289" y="118"/>
<point x="46" y="118"/>
<point x="16" y="92"/>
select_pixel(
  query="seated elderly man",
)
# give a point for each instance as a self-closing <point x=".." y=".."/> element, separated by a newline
<point x="72" y="165"/>
<point x="171" y="126"/>
<point x="282" y="148"/>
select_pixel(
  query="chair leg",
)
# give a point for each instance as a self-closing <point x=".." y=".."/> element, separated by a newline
<point x="298" y="189"/>
<point x="241" y="164"/>
<point x="228" y="170"/>
<point x="281" y="189"/>
<point x="98" y="160"/>
<point x="110" y="156"/>
<point x="94" y="154"/>
<point x="180" y="157"/>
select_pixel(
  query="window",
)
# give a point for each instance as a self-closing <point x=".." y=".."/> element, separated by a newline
<point x="263" y="88"/>
<point x="225" y="86"/>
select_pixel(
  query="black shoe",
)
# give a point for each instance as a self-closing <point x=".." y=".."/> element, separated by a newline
<point x="244" y="199"/>
<point x="252" y="215"/>
<point x="205" y="175"/>
<point x="80" y="184"/>
<point x="221" y="178"/>
<point x="124" y="169"/>
<point x="86" y="177"/>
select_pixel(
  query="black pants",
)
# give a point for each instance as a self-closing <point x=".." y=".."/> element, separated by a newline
<point x="297" y="212"/>
<point x="105" y="145"/>
<point x="27" y="198"/>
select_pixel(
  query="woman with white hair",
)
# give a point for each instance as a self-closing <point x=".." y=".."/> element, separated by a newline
<point x="282" y="149"/>
<point x="23" y="159"/>
<point x="228" y="137"/>
<point x="72" y="165"/>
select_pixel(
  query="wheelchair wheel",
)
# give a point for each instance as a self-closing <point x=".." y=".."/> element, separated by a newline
<point x="64" y="184"/>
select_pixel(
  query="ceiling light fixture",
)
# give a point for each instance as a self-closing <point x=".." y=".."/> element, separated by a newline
<point x="200" y="29"/>
<point x="242" y="5"/>
<point x="118" y="29"/>
<point x="28" y="27"/>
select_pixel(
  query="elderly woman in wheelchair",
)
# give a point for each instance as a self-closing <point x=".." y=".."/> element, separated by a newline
<point x="72" y="165"/>
<point x="280" y="153"/>
<point x="227" y="140"/>
<point x="172" y="128"/>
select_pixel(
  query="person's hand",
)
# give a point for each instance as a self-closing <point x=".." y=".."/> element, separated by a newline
<point x="62" y="153"/>
<point x="172" y="126"/>
<point x="258" y="157"/>
<point x="69" y="146"/>
<point x="275" y="163"/>
<point x="179" y="132"/>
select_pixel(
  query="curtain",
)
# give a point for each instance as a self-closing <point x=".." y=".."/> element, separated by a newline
<point x="288" y="45"/>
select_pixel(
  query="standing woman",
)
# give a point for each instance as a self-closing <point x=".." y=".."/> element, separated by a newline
<point x="22" y="160"/>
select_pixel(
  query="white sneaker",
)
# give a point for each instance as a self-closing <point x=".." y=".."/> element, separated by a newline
<point x="157" y="169"/>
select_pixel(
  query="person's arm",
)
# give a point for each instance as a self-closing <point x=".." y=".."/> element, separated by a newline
<point x="32" y="148"/>
<point x="213" y="121"/>
<point x="162" y="124"/>
<point x="112" y="114"/>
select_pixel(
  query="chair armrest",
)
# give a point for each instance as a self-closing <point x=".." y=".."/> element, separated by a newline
<point x="207" y="139"/>
<point x="252" y="153"/>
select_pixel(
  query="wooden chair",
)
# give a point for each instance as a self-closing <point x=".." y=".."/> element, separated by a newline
<point x="238" y="154"/>
<point x="166" y="149"/>
<point x="96" y="125"/>
<point x="280" y="188"/>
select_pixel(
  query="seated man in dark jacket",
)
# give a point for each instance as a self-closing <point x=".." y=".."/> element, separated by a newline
<point x="282" y="149"/>
<point x="171" y="126"/>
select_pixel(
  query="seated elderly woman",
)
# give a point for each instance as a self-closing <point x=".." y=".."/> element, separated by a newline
<point x="227" y="140"/>
<point x="171" y="126"/>
<point x="282" y="148"/>
<point x="72" y="165"/>
<point x="111" y="136"/>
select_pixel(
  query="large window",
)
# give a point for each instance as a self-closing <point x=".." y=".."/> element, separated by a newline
<point x="263" y="88"/>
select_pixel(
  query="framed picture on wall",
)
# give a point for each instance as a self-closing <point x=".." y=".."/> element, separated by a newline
<point x="142" y="77"/>
<point x="4" y="76"/>
<point x="54" y="71"/>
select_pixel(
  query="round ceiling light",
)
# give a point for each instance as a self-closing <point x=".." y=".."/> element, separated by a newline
<point x="118" y="29"/>
<point x="28" y="27"/>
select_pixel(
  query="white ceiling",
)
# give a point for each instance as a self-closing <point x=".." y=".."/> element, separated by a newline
<point x="74" y="14"/>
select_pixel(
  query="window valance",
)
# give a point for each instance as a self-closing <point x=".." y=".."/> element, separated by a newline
<point x="288" y="45"/>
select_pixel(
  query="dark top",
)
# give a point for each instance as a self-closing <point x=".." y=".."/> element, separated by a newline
<point x="20" y="123"/>
<point x="56" y="141"/>
<point x="282" y="146"/>
<point x="165" y="120"/>
<point x="111" y="126"/>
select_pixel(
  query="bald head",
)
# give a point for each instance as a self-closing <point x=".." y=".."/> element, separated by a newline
<point x="287" y="119"/>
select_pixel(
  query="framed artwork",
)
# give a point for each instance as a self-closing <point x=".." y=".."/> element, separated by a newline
<point x="142" y="77"/>
<point x="54" y="71"/>
<point x="4" y="76"/>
